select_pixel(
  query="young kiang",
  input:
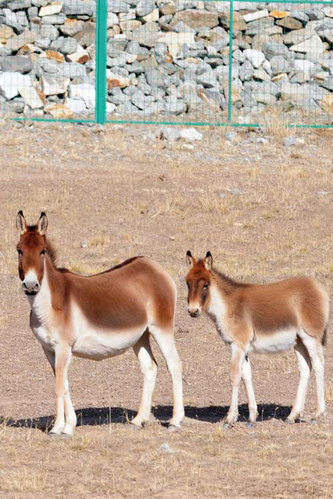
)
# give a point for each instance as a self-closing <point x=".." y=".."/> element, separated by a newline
<point x="267" y="318"/>
<point x="98" y="316"/>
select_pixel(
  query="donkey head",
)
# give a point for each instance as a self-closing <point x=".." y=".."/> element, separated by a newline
<point x="198" y="281"/>
<point x="31" y="250"/>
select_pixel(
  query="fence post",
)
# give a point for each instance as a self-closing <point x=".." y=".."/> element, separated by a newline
<point x="101" y="43"/>
<point x="231" y="31"/>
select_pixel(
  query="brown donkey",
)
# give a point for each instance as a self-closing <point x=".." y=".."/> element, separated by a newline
<point x="98" y="316"/>
<point x="265" y="318"/>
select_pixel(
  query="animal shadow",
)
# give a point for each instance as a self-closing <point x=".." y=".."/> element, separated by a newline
<point x="96" y="416"/>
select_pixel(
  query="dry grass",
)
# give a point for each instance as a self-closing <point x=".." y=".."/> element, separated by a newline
<point x="263" y="210"/>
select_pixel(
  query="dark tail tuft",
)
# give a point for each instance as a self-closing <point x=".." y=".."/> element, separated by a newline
<point x="324" y="337"/>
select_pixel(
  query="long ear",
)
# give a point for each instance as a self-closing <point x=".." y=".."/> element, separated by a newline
<point x="21" y="224"/>
<point x="189" y="259"/>
<point x="208" y="261"/>
<point x="42" y="224"/>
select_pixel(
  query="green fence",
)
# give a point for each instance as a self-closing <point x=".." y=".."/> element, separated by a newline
<point x="167" y="61"/>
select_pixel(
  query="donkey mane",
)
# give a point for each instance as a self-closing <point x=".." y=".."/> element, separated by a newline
<point x="229" y="284"/>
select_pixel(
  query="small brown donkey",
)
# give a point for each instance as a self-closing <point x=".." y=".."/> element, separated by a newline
<point x="265" y="318"/>
<point x="98" y="316"/>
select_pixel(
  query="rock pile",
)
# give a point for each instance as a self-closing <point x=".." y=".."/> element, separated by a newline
<point x="165" y="58"/>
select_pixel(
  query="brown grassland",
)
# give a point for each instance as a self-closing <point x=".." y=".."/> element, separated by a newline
<point x="265" y="212"/>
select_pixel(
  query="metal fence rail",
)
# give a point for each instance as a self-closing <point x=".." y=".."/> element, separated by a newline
<point x="198" y="62"/>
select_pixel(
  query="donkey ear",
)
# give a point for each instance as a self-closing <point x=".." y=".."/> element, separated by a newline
<point x="208" y="261"/>
<point x="42" y="224"/>
<point x="189" y="259"/>
<point x="21" y="224"/>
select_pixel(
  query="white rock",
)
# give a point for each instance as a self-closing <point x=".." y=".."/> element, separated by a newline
<point x="77" y="106"/>
<point x="256" y="57"/>
<point x="175" y="41"/>
<point x="31" y="97"/>
<point x="312" y="45"/>
<point x="112" y="19"/>
<point x="84" y="91"/>
<point x="171" y="134"/>
<point x="303" y="65"/>
<point x="166" y="448"/>
<point x="10" y="82"/>
<point x="110" y="108"/>
<point x="152" y="16"/>
<point x="54" y="86"/>
<point x="252" y="16"/>
<point x="190" y="134"/>
<point x="49" y="10"/>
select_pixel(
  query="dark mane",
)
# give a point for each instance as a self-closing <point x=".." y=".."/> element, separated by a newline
<point x="229" y="283"/>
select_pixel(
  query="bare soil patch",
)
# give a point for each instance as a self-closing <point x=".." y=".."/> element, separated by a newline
<point x="265" y="212"/>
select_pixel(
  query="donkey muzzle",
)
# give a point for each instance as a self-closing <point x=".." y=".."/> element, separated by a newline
<point x="30" y="286"/>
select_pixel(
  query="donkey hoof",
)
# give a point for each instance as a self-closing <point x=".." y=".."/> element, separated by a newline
<point x="290" y="421"/>
<point x="227" y="426"/>
<point x="172" y="428"/>
<point x="250" y="424"/>
<point x="136" y="426"/>
<point x="54" y="434"/>
<point x="314" y="421"/>
<point x="66" y="436"/>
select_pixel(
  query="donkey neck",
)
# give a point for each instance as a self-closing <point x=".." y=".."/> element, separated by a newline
<point x="51" y="294"/>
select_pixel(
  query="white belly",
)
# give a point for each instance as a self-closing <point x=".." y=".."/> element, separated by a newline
<point x="276" y="342"/>
<point x="99" y="345"/>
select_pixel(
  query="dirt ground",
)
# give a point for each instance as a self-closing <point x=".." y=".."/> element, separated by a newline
<point x="265" y="212"/>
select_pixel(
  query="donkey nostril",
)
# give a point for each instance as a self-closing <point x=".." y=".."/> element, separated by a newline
<point x="24" y="286"/>
<point x="36" y="288"/>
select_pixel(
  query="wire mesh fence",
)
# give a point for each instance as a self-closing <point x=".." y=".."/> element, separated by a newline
<point x="167" y="61"/>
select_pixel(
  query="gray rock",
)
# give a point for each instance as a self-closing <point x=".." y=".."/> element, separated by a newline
<point x="328" y="84"/>
<point x="230" y="136"/>
<point x="136" y="49"/>
<point x="79" y="7"/>
<point x="54" y="19"/>
<point x="156" y="79"/>
<point x="144" y="7"/>
<point x="246" y="71"/>
<point x="207" y="79"/>
<point x="272" y="49"/>
<point x="65" y="45"/>
<point x="16" y="63"/>
<point x="175" y="106"/>
<point x="140" y="100"/>
<point x="168" y="133"/>
<point x="49" y="31"/>
<point x="43" y="43"/>
<point x="190" y="134"/>
<point x="289" y="141"/>
<point x="279" y="65"/>
<point x="19" y="5"/>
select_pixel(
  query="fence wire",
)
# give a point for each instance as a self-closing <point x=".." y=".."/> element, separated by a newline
<point x="167" y="61"/>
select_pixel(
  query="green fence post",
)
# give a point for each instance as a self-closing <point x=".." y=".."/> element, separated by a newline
<point x="231" y="30"/>
<point x="101" y="42"/>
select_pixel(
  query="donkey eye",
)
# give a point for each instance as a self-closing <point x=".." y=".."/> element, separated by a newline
<point x="206" y="286"/>
<point x="43" y="252"/>
<point x="20" y="252"/>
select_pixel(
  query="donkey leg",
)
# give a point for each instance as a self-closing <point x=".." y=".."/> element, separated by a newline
<point x="247" y="379"/>
<point x="149" y="370"/>
<point x="304" y="367"/>
<point x="315" y="351"/>
<point x="68" y="406"/>
<point x="237" y="359"/>
<point x="166" y="342"/>
<point x="62" y="360"/>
